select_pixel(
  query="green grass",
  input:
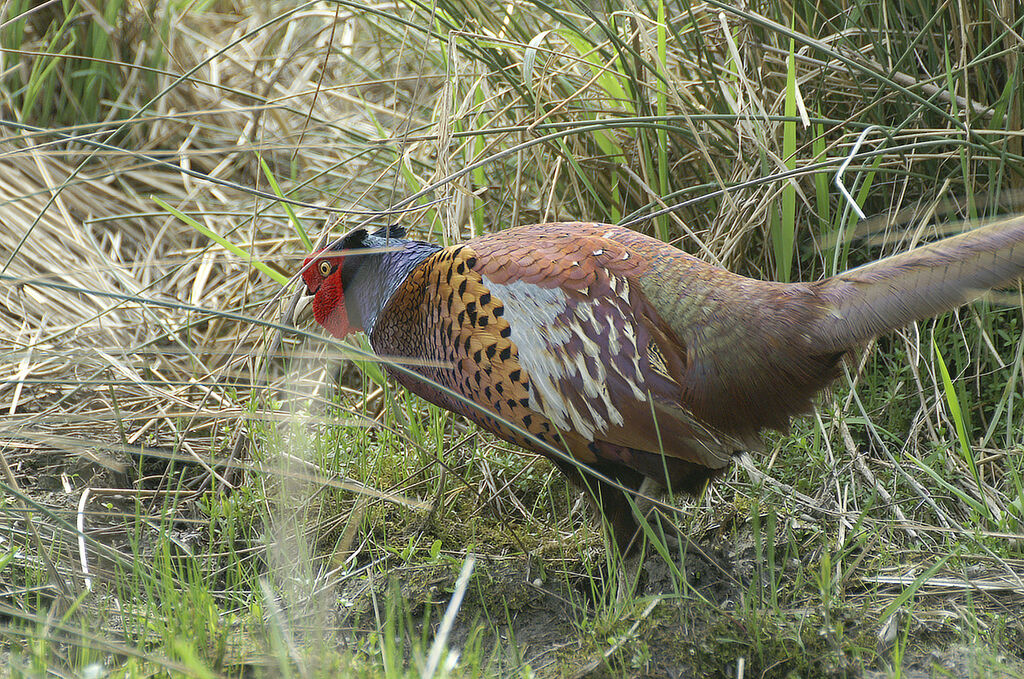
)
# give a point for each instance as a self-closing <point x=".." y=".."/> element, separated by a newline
<point x="262" y="502"/>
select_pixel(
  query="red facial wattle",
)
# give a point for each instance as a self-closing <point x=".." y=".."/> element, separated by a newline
<point x="328" y="295"/>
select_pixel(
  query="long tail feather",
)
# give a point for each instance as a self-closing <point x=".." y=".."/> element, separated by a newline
<point x="892" y="292"/>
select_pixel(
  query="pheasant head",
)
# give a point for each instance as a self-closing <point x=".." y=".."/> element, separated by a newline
<point x="322" y="274"/>
<point x="352" y="279"/>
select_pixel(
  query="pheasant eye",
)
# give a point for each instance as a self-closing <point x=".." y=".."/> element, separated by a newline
<point x="325" y="267"/>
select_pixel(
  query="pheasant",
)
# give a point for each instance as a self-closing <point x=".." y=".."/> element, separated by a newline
<point x="594" y="343"/>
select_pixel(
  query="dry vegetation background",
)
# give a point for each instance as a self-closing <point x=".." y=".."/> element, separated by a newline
<point x="183" y="491"/>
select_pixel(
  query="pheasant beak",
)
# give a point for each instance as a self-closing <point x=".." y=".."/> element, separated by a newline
<point x="303" y="315"/>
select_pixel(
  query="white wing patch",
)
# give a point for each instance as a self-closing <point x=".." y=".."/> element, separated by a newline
<point x="555" y="338"/>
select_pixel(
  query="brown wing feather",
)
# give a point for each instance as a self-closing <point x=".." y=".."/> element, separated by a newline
<point x="748" y="362"/>
<point x="601" y="361"/>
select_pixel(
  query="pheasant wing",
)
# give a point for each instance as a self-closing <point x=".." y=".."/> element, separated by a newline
<point x="601" y="363"/>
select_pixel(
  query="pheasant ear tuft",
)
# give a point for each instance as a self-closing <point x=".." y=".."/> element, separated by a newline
<point x="351" y="240"/>
<point x="357" y="238"/>
<point x="390" y="231"/>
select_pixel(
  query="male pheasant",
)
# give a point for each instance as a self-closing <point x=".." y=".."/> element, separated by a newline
<point x="624" y="353"/>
